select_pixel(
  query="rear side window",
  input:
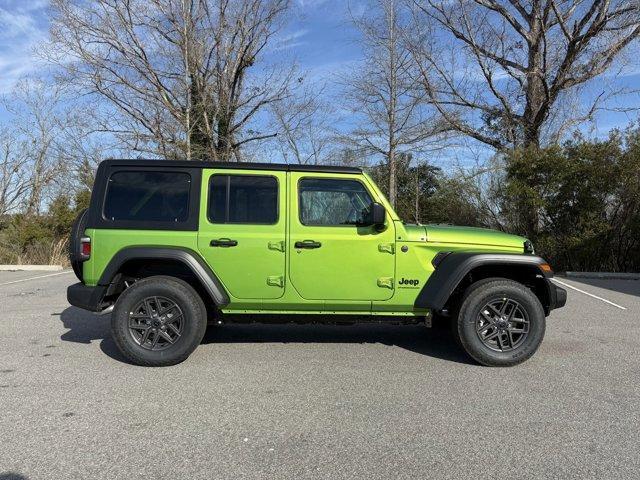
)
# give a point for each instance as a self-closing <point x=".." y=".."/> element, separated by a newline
<point x="147" y="196"/>
<point x="251" y="199"/>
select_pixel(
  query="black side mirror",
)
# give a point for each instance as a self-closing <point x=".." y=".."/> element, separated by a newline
<point x="377" y="214"/>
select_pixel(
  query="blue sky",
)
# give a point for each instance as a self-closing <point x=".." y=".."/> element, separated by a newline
<point x="319" y="36"/>
<point x="23" y="26"/>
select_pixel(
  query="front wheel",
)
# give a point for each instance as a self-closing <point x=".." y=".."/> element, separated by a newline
<point x="158" y="321"/>
<point x="500" y="322"/>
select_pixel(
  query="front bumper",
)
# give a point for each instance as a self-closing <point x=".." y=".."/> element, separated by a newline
<point x="86" y="297"/>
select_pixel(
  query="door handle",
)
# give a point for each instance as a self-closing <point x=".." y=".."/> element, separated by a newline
<point x="223" y="242"/>
<point x="308" y="244"/>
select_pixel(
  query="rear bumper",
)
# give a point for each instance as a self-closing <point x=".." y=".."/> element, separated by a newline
<point x="557" y="296"/>
<point x="86" y="297"/>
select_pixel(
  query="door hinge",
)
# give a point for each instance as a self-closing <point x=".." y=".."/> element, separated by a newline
<point x="387" y="247"/>
<point x="275" y="281"/>
<point x="279" y="246"/>
<point x="385" y="282"/>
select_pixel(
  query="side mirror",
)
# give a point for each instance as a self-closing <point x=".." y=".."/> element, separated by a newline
<point x="377" y="214"/>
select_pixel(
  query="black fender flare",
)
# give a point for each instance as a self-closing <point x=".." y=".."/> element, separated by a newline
<point x="454" y="266"/>
<point x="186" y="256"/>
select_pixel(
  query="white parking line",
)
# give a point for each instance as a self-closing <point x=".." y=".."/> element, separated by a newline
<point x="589" y="294"/>
<point x="34" y="278"/>
<point x="554" y="279"/>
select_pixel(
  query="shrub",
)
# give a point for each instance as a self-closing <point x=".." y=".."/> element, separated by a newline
<point x="41" y="239"/>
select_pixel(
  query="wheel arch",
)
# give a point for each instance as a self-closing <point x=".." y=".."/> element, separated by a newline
<point x="180" y="262"/>
<point x="457" y="270"/>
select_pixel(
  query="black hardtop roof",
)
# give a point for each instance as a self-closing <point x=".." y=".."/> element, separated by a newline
<point x="136" y="162"/>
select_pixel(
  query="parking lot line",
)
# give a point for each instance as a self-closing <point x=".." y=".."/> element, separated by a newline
<point x="36" y="277"/>
<point x="554" y="279"/>
<point x="589" y="294"/>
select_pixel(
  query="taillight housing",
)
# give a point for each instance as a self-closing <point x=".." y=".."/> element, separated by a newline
<point x="85" y="248"/>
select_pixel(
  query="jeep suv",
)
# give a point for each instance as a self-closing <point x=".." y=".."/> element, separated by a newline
<point x="170" y="246"/>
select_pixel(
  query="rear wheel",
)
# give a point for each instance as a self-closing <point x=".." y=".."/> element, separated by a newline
<point x="158" y="321"/>
<point x="500" y="322"/>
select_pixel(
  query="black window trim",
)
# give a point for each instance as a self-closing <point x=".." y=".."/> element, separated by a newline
<point x="351" y="225"/>
<point x="96" y="218"/>
<point x="226" y="213"/>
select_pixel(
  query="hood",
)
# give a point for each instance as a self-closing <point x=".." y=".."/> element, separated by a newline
<point x="415" y="233"/>
<point x="472" y="236"/>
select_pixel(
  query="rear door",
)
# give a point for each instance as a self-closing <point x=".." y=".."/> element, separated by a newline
<point x="242" y="230"/>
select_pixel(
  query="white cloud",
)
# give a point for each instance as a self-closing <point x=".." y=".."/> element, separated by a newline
<point x="311" y="3"/>
<point x="23" y="27"/>
<point x="290" y="40"/>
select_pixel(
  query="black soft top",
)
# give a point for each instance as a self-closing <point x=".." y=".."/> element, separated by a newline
<point x="137" y="162"/>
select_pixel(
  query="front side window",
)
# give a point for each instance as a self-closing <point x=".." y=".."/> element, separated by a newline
<point x="250" y="199"/>
<point x="147" y="196"/>
<point x="332" y="202"/>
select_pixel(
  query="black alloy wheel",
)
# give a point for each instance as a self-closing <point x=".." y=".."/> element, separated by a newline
<point x="502" y="325"/>
<point x="499" y="322"/>
<point x="156" y="323"/>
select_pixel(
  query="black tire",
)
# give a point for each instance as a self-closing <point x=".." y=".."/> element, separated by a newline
<point x="77" y="230"/>
<point x="473" y="330"/>
<point x="193" y="326"/>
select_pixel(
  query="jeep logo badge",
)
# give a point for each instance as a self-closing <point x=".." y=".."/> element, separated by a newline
<point x="409" y="282"/>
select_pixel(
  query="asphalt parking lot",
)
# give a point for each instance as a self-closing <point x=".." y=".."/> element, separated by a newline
<point x="316" y="401"/>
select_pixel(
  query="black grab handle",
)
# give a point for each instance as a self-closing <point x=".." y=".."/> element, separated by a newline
<point x="223" y="242"/>
<point x="308" y="244"/>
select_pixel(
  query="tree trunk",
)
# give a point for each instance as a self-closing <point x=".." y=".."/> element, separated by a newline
<point x="223" y="146"/>
<point x="392" y="178"/>
<point x="417" y="199"/>
<point x="200" y="141"/>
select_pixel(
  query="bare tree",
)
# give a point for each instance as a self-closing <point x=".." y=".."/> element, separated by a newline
<point x="14" y="172"/>
<point x="497" y="70"/>
<point x="182" y="75"/>
<point x="47" y="145"/>
<point x="384" y="95"/>
<point x="38" y="125"/>
<point x="306" y="134"/>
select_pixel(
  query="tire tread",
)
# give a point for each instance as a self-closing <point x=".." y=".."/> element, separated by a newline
<point x="474" y="295"/>
<point x="139" y="356"/>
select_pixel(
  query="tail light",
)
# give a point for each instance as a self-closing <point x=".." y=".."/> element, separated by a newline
<point x="85" y="248"/>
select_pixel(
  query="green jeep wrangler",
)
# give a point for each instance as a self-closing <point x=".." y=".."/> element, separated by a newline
<point x="170" y="246"/>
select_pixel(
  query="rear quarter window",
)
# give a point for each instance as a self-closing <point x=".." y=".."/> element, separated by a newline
<point x="147" y="196"/>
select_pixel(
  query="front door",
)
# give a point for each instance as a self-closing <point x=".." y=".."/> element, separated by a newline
<point x="333" y="256"/>
<point x="242" y="231"/>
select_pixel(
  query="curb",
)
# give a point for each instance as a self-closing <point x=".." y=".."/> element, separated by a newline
<point x="31" y="268"/>
<point x="604" y="275"/>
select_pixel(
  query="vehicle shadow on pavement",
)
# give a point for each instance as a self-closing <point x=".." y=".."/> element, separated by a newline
<point x="85" y="327"/>
<point x="433" y="342"/>
<point x="12" y="476"/>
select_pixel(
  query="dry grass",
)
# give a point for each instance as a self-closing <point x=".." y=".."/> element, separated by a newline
<point x="49" y="252"/>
